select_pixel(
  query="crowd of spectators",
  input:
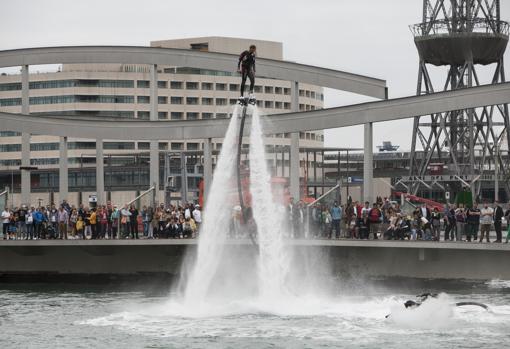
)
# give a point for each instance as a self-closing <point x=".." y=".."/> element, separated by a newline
<point x="385" y="220"/>
<point x="102" y="222"/>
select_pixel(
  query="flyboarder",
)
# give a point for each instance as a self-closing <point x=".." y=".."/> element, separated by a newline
<point x="246" y="67"/>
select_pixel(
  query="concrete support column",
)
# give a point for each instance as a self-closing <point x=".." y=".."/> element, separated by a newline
<point x="294" y="145"/>
<point x="368" y="164"/>
<point x="63" y="177"/>
<point x="208" y="167"/>
<point x="25" y="139"/>
<point x="100" y="172"/>
<point x="154" y="147"/>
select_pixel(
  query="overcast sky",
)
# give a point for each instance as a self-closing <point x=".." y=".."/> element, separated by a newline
<point x="369" y="37"/>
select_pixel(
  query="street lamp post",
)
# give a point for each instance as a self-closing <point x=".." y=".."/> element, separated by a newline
<point x="496" y="173"/>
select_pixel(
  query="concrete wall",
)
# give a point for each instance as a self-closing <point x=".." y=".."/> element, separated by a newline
<point x="346" y="258"/>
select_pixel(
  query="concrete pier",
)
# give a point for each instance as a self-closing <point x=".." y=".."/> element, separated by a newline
<point x="471" y="261"/>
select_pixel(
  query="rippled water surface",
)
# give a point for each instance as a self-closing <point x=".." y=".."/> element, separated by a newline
<point x="78" y="316"/>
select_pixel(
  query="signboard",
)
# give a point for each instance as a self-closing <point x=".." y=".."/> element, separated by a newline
<point x="354" y="180"/>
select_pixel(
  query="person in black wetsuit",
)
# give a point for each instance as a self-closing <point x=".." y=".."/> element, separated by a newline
<point x="246" y="66"/>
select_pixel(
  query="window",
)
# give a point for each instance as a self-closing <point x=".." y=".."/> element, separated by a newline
<point x="144" y="145"/>
<point x="43" y="146"/>
<point x="10" y="147"/>
<point x="301" y="107"/>
<point x="176" y="115"/>
<point x="10" y="162"/>
<point x="278" y="105"/>
<point x="143" y="115"/>
<point x="221" y="115"/>
<point x="176" y="85"/>
<point x="192" y="146"/>
<point x="162" y="84"/>
<point x="268" y="89"/>
<point x="258" y="89"/>
<point x="81" y="145"/>
<point x="163" y="146"/>
<point x="177" y="146"/>
<point x="191" y="116"/>
<point x="176" y="100"/>
<point x="207" y="115"/>
<point x="234" y="87"/>
<point x="301" y="93"/>
<point x="191" y="85"/>
<point x="12" y="86"/>
<point x="142" y="83"/>
<point x="221" y="101"/>
<point x="47" y="161"/>
<point x="192" y="100"/>
<point x="118" y="145"/>
<point x="201" y="46"/>
<point x="312" y="94"/>
<point x="221" y="87"/>
<point x="9" y="102"/>
<point x="207" y="86"/>
<point x="307" y="93"/>
<point x="278" y="90"/>
<point x="260" y="103"/>
<point x="207" y="101"/>
<point x="286" y="105"/>
<point x="286" y="91"/>
<point x="162" y="115"/>
<point x="143" y="99"/>
<point x="9" y="134"/>
<point x="162" y="100"/>
<point x="268" y="104"/>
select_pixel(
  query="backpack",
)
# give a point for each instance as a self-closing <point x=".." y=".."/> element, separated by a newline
<point x="374" y="215"/>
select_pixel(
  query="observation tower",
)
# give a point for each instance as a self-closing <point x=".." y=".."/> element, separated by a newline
<point x="461" y="43"/>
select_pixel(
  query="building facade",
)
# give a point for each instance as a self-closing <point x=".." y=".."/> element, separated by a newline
<point x="123" y="91"/>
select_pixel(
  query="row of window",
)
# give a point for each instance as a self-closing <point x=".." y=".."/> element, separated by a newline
<point x="35" y="85"/>
<point x="92" y="145"/>
<point x="8" y="102"/>
<point x="176" y="85"/>
<point x="70" y="145"/>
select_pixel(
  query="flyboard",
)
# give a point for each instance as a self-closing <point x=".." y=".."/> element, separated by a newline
<point x="244" y="102"/>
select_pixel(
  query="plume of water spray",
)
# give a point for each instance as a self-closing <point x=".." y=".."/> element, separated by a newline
<point x="217" y="215"/>
<point x="273" y="261"/>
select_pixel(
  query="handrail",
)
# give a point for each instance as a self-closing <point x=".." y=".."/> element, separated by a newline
<point x="444" y="26"/>
<point x="324" y="195"/>
<point x="142" y="194"/>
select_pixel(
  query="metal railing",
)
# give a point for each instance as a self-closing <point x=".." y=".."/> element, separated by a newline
<point x="447" y="26"/>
